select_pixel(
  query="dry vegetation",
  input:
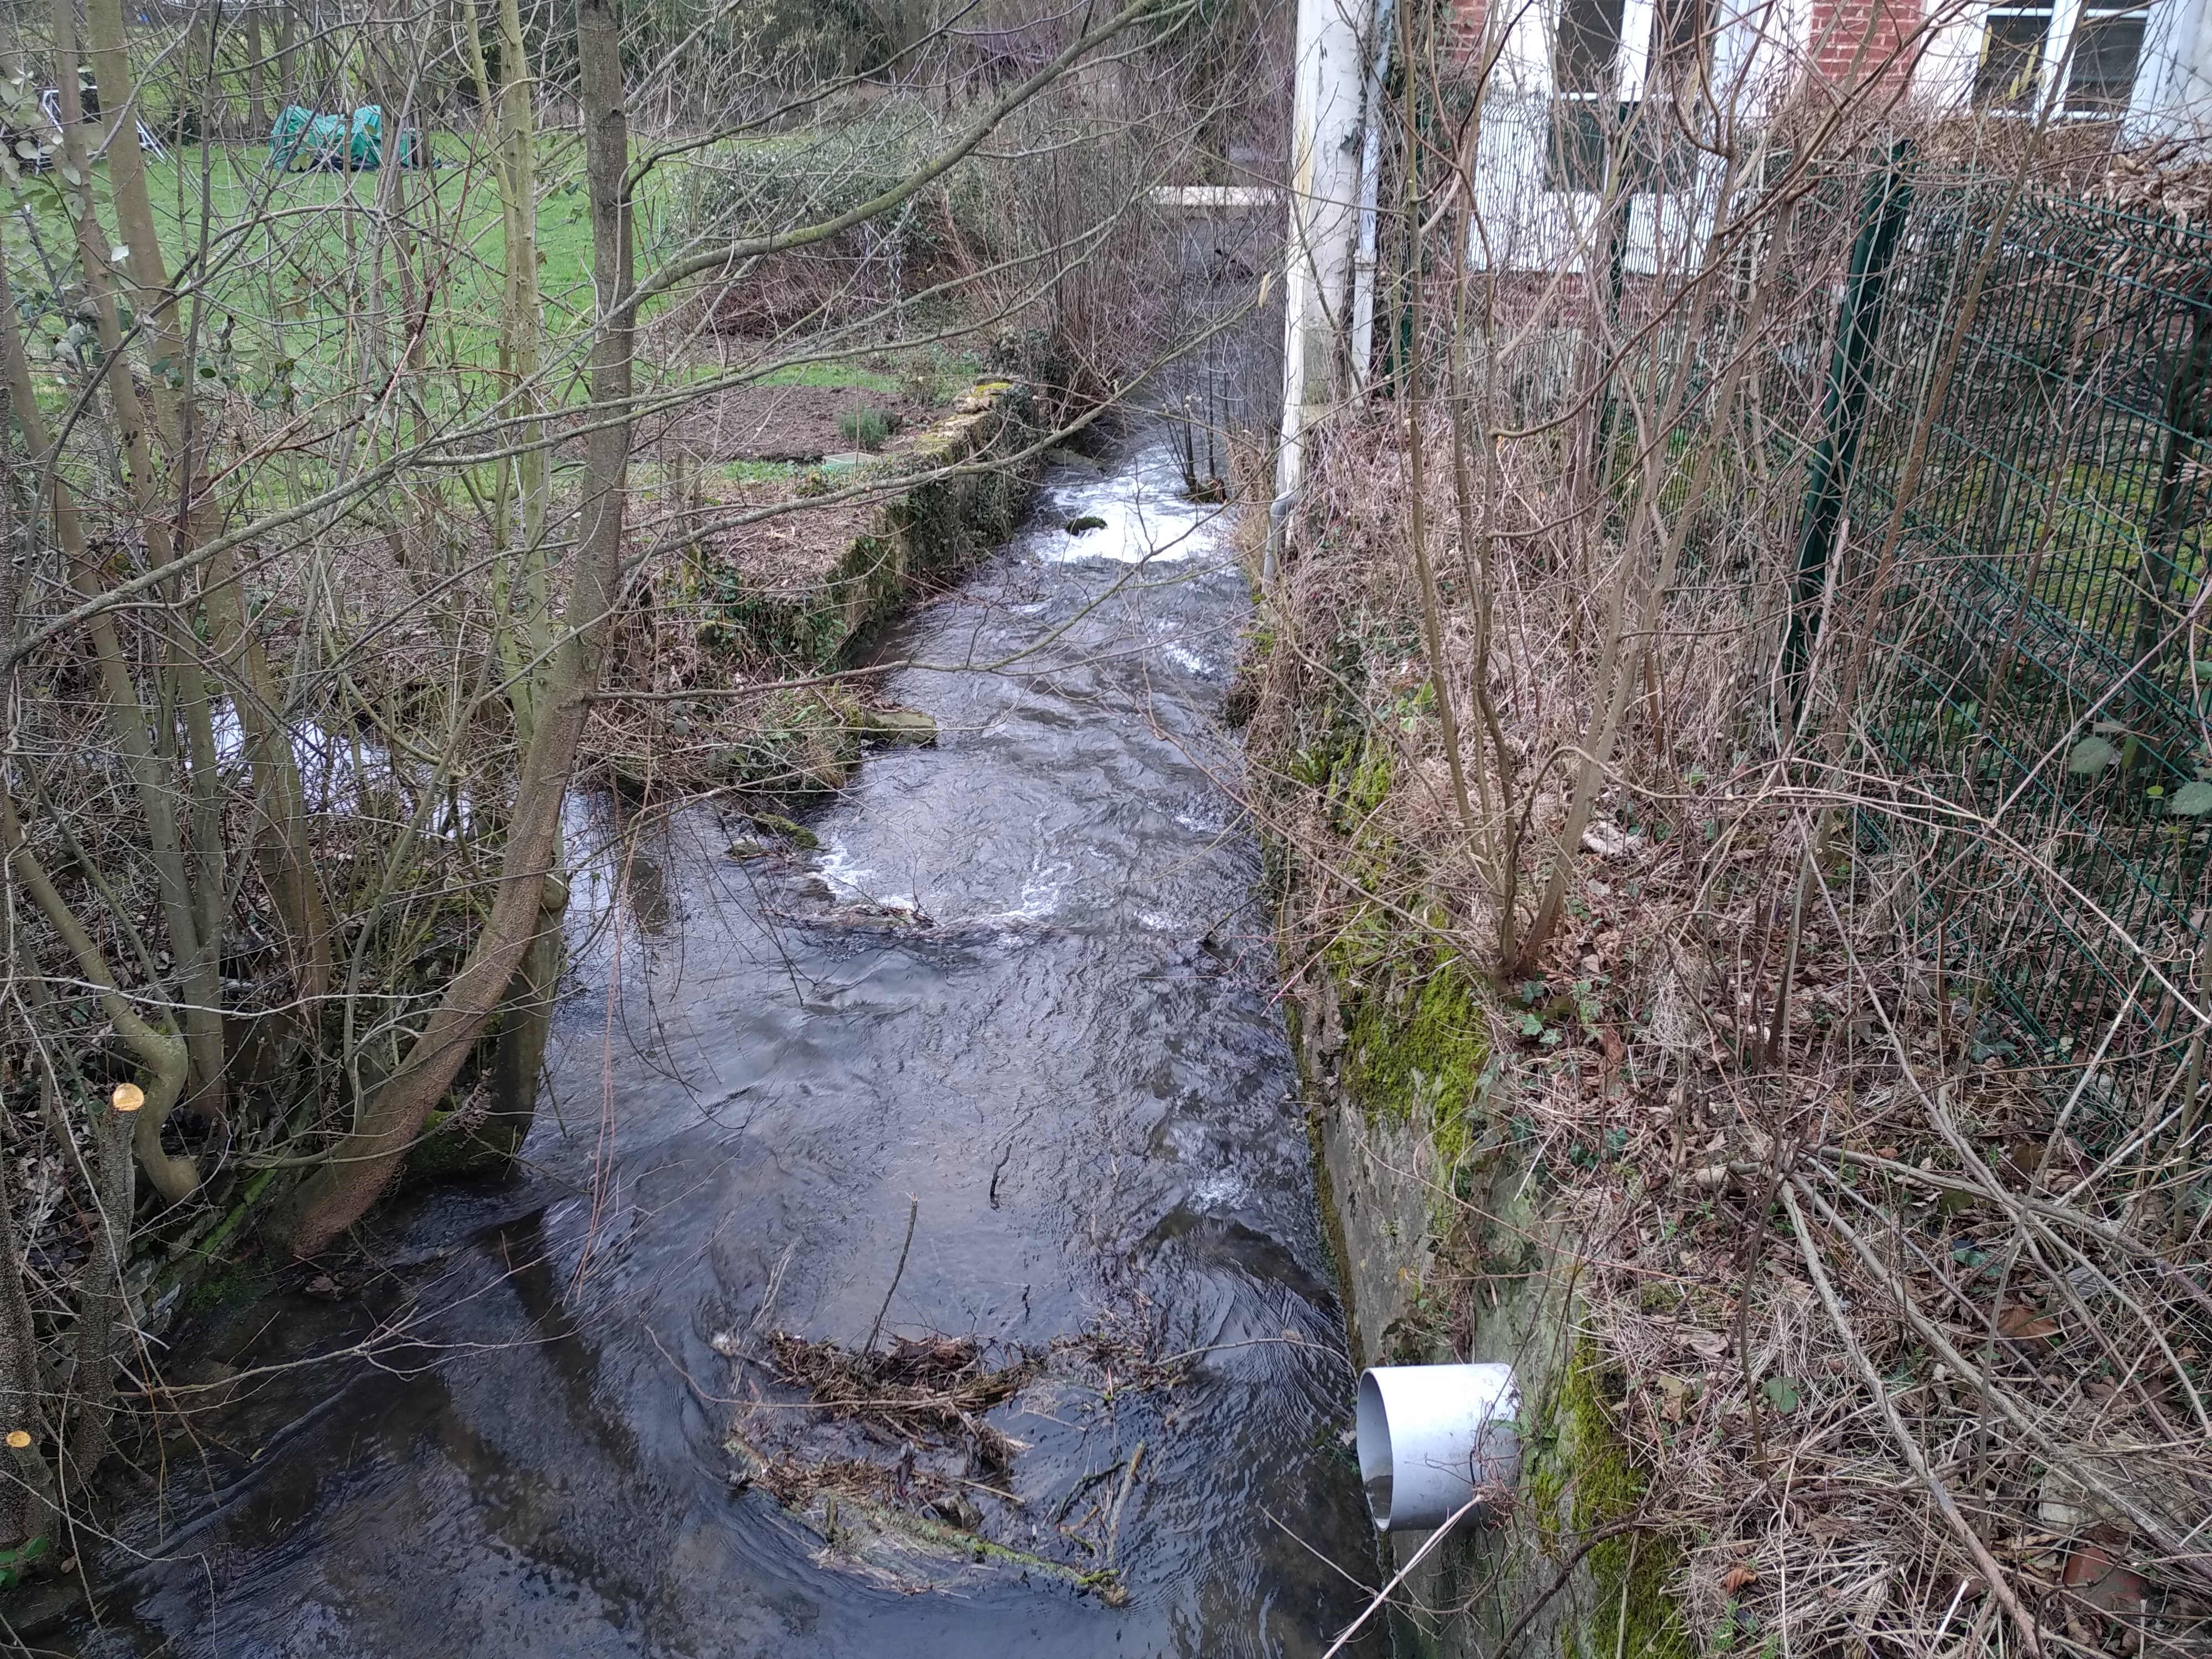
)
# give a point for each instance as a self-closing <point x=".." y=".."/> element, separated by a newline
<point x="1839" y="1069"/>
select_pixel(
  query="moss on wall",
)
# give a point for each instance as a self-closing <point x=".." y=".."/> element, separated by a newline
<point x="1581" y="1478"/>
<point x="1427" y="1053"/>
<point x="921" y="534"/>
<point x="1416" y="1041"/>
<point x="1396" y="1050"/>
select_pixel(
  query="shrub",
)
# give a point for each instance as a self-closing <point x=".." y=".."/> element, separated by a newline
<point x="864" y="426"/>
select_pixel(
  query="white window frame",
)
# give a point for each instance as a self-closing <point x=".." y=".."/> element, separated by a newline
<point x="1954" y="68"/>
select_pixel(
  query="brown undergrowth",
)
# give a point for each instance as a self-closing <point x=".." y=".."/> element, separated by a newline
<point x="1896" y="1306"/>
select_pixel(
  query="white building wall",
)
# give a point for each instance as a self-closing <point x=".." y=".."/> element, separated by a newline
<point x="2173" y="83"/>
<point x="1523" y="224"/>
<point x="1325" y="148"/>
<point x="1760" y="47"/>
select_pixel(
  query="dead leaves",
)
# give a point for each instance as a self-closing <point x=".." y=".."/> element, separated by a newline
<point x="2019" y="1322"/>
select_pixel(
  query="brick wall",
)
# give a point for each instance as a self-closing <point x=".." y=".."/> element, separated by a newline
<point x="1858" y="40"/>
<point x="1464" y="31"/>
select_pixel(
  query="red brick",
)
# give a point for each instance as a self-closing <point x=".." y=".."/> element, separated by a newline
<point x="1861" y="40"/>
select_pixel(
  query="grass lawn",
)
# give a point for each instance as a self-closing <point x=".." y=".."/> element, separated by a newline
<point x="286" y="262"/>
<point x="300" y="306"/>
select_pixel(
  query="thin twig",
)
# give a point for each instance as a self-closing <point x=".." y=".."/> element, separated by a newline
<point x="1913" y="1454"/>
<point x="912" y="1209"/>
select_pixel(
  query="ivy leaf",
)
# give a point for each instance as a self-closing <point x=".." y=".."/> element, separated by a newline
<point x="1781" y="1393"/>
<point x="2192" y="800"/>
<point x="2090" y="756"/>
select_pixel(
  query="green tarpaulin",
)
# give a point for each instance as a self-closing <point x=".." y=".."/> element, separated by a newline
<point x="302" y="138"/>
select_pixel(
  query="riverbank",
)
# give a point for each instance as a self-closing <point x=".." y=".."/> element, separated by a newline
<point x="735" y="671"/>
<point x="1673" y="1092"/>
<point x="1452" y="1240"/>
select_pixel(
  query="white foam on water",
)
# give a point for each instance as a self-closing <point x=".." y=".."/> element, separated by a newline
<point x="1145" y="515"/>
<point x="1223" y="1190"/>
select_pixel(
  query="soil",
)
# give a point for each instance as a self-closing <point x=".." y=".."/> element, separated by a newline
<point x="785" y="423"/>
<point x="791" y="553"/>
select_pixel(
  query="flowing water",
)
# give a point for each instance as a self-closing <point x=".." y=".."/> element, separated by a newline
<point x="1020" y="995"/>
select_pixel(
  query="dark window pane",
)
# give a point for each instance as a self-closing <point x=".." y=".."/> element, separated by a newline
<point x="1655" y="153"/>
<point x="2102" y="72"/>
<point x="1576" y="156"/>
<point x="1588" y="46"/>
<point x="2011" y="60"/>
<point x="1679" y="31"/>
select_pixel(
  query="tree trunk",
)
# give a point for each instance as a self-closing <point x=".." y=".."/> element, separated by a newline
<point x="281" y="834"/>
<point x="521" y="334"/>
<point x="288" y="73"/>
<point x="27" y="1496"/>
<point x="359" y="1167"/>
<point x="193" y="919"/>
<point x="256" y="105"/>
<point x="162" y="1053"/>
<point x="195" y="956"/>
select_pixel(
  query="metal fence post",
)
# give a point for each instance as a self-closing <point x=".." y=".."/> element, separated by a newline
<point x="1843" y="409"/>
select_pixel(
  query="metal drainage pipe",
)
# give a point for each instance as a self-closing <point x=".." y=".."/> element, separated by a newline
<point x="1430" y="1436"/>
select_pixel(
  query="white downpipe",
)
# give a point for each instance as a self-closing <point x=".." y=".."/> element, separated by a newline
<point x="1430" y="1436"/>
<point x="1371" y="191"/>
<point x="1325" y="134"/>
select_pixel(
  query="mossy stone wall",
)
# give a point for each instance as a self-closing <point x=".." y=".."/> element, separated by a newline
<point x="971" y="486"/>
<point x="1445" y="1251"/>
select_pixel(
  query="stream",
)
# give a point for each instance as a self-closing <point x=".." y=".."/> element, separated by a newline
<point x="1018" y="1001"/>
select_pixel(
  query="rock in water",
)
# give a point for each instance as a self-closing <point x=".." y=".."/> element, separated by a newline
<point x="957" y="1510"/>
<point x="898" y="725"/>
<point x="797" y="833"/>
<point x="1086" y="524"/>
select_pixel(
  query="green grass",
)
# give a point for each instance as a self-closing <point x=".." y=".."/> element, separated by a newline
<point x="744" y="472"/>
<point x="866" y="428"/>
<point x="289" y="282"/>
<point x="284" y="296"/>
<point x="837" y="373"/>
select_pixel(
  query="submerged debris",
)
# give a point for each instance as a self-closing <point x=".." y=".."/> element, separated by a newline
<point x="931" y="1389"/>
<point x="890" y="1457"/>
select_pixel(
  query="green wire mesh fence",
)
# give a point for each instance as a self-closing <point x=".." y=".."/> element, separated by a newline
<point x="2040" y="666"/>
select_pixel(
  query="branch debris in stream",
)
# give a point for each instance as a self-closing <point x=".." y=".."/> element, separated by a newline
<point x="889" y="1457"/>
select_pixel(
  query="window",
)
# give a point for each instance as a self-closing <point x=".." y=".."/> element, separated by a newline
<point x="1585" y="78"/>
<point x="2100" y="46"/>
<point x="2100" y="76"/>
<point x="2012" y="59"/>
<point x="1586" y="57"/>
<point x="1680" y="31"/>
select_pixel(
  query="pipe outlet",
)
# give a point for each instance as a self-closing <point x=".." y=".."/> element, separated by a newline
<point x="1430" y="1436"/>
